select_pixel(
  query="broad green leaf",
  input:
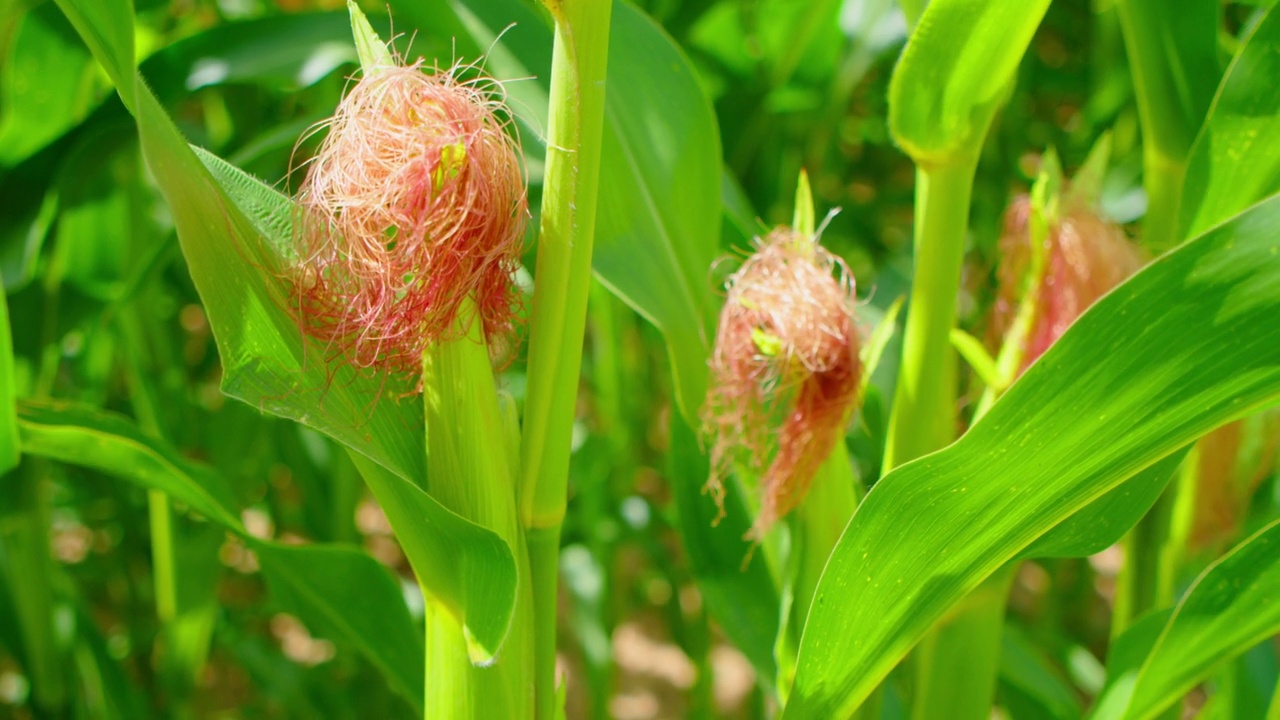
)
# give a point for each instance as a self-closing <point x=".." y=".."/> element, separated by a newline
<point x="1230" y="608"/>
<point x="343" y="590"/>
<point x="232" y="236"/>
<point x="80" y="435"/>
<point x="743" y="598"/>
<point x="954" y="73"/>
<point x="468" y="568"/>
<point x="9" y="452"/>
<point x="658" y="226"/>
<point x="1185" y="345"/>
<point x="47" y="84"/>
<point x="1236" y="158"/>
<point x="1173" y="58"/>
<point x="1106" y="520"/>
<point x="107" y="28"/>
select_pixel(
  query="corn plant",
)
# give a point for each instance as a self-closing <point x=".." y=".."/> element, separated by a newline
<point x="493" y="359"/>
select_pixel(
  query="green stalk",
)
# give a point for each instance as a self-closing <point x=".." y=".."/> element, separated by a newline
<point x="956" y="664"/>
<point x="923" y="418"/>
<point x="469" y="472"/>
<point x="164" y="570"/>
<point x="1170" y="110"/>
<point x="816" y="526"/>
<point x="950" y="678"/>
<point x="1173" y="99"/>
<point x="24" y="535"/>
<point x="578" y="64"/>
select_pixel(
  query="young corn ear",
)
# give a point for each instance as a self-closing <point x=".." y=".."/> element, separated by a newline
<point x="785" y="370"/>
<point x="1085" y="256"/>
<point x="415" y="201"/>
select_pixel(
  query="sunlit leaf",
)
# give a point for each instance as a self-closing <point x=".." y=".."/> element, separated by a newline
<point x="1185" y="345"/>
<point x="345" y="591"/>
<point x="954" y="73"/>
<point x="658" y="227"/>
<point x="1236" y="158"/>
<point x="1230" y="608"/>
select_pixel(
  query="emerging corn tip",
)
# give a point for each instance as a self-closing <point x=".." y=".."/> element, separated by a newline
<point x="1084" y="257"/>
<point x="785" y="370"/>
<point x="415" y="201"/>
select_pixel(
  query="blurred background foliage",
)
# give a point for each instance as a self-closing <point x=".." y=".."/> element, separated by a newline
<point x="104" y="313"/>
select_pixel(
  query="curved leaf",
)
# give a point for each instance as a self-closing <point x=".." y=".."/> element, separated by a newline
<point x="1106" y="520"/>
<point x="954" y="72"/>
<point x="658" y="224"/>
<point x="233" y="238"/>
<point x="80" y="435"/>
<point x="1236" y="158"/>
<point x="1230" y="608"/>
<point x="1185" y="345"/>
<point x="339" y="589"/>
<point x="9" y="445"/>
<point x="107" y="28"/>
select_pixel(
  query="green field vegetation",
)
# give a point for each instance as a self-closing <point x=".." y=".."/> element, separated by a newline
<point x="653" y="359"/>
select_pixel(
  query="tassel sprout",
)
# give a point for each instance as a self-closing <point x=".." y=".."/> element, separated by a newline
<point x="785" y="371"/>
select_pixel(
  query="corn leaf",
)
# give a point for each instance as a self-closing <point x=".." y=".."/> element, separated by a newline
<point x="1236" y="158"/>
<point x="339" y="589"/>
<point x="1185" y="345"/>
<point x="233" y="238"/>
<point x="1228" y="609"/>
<point x="9" y="449"/>
<point x="954" y="73"/>
<point x="658" y="225"/>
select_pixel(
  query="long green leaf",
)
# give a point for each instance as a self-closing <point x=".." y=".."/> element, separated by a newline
<point x="954" y="73"/>
<point x="1230" y="608"/>
<point x="470" y="569"/>
<point x="233" y="238"/>
<point x="659" y="214"/>
<point x="1236" y="158"/>
<point x="658" y="227"/>
<point x="1185" y="345"/>
<point x="1106" y="520"/>
<point x="9" y="450"/>
<point x="343" y="590"/>
<point x="107" y="28"/>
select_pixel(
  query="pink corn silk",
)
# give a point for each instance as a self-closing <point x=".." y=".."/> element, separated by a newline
<point x="415" y="200"/>
<point x="782" y="413"/>
<point x="1087" y="257"/>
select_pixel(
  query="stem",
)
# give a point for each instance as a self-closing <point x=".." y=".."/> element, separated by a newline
<point x="957" y="662"/>
<point x="923" y="418"/>
<point x="816" y="527"/>
<point x="164" y="573"/>
<point x="578" y="64"/>
<point x="1163" y="178"/>
<point x="469" y="472"/>
<point x="24" y="534"/>
<point x="544" y="569"/>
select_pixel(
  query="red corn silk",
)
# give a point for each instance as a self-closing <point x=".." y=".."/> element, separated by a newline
<point x="785" y="370"/>
<point x="415" y="200"/>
